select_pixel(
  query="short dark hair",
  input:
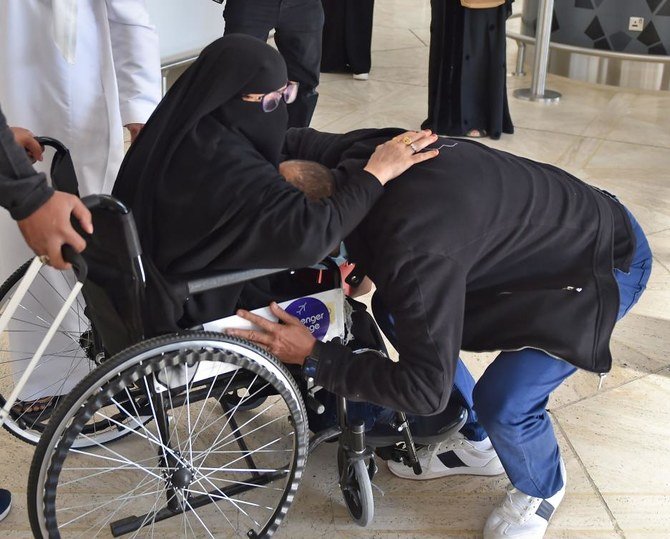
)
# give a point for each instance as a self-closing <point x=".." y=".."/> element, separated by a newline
<point x="313" y="179"/>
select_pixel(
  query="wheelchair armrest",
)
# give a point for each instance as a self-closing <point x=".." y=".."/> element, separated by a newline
<point x="196" y="283"/>
<point x="204" y="281"/>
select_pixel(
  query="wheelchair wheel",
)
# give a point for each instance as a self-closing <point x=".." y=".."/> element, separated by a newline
<point x="356" y="486"/>
<point x="194" y="470"/>
<point x="70" y="356"/>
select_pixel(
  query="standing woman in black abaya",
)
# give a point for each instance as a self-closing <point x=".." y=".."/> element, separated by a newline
<point x="467" y="74"/>
<point x="347" y="37"/>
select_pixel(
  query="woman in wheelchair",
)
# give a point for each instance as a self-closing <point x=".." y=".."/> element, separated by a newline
<point x="203" y="184"/>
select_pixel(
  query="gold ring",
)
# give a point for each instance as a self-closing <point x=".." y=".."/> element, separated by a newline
<point x="45" y="259"/>
<point x="407" y="141"/>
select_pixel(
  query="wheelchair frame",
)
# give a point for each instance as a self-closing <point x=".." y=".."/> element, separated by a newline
<point x="356" y="450"/>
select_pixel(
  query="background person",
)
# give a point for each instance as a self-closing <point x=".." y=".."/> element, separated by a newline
<point x="347" y="37"/>
<point x="467" y="73"/>
<point x="42" y="215"/>
<point x="298" y="26"/>
<point x="77" y="71"/>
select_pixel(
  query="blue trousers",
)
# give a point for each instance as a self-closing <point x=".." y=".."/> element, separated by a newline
<point x="509" y="401"/>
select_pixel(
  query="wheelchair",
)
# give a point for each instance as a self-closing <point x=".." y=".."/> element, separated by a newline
<point x="196" y="432"/>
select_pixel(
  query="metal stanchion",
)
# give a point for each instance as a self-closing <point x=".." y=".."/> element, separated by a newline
<point x="520" y="59"/>
<point x="537" y="91"/>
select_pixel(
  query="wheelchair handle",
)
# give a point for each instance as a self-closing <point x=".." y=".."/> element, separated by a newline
<point x="52" y="143"/>
<point x="79" y="265"/>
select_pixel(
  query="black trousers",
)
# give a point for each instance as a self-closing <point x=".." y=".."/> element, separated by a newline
<point x="298" y="28"/>
<point x="347" y="35"/>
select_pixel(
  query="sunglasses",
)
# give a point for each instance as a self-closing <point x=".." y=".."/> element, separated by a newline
<point x="270" y="102"/>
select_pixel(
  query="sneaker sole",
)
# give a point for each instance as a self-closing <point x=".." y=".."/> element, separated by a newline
<point x="426" y="476"/>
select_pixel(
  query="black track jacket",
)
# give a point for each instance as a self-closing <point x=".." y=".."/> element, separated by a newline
<point x="479" y="250"/>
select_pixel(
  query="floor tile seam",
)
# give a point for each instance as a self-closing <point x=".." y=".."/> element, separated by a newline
<point x="592" y="138"/>
<point x="396" y="49"/>
<point x="413" y="85"/>
<point x="604" y="113"/>
<point x="660" y="262"/>
<point x="658" y="231"/>
<point x="575" y="147"/>
<point x="418" y="47"/>
<point x="655" y="372"/>
<point x="615" y="524"/>
<point x="419" y="38"/>
<point x="348" y="79"/>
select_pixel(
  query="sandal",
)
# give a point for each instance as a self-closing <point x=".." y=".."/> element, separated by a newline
<point x="44" y="405"/>
<point x="477" y="133"/>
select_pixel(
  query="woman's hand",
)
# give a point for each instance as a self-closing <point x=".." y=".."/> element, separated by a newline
<point x="290" y="341"/>
<point x="394" y="157"/>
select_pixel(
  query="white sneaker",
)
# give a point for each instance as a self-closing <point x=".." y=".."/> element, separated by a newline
<point x="458" y="455"/>
<point x="521" y="516"/>
<point x="361" y="76"/>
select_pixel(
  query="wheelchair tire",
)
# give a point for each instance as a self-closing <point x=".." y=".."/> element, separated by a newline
<point x="34" y="318"/>
<point x="356" y="487"/>
<point x="160" y="472"/>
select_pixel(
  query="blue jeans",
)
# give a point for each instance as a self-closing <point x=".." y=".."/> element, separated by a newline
<point x="509" y="401"/>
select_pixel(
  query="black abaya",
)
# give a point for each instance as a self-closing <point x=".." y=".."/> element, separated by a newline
<point x="203" y="184"/>
<point x="347" y="35"/>
<point x="467" y="74"/>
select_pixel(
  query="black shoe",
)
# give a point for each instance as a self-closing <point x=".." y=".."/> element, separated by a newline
<point x="5" y="502"/>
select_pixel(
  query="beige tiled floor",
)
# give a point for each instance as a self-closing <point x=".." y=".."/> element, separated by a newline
<point x="616" y="441"/>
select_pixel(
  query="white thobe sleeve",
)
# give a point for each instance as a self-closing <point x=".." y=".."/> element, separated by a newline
<point x="136" y="59"/>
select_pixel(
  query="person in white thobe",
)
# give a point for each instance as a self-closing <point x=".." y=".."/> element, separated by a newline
<point x="78" y="71"/>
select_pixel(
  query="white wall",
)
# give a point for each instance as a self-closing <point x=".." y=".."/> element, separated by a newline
<point x="185" y="25"/>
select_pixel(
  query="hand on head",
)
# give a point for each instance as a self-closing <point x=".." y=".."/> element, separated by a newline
<point x="48" y="228"/>
<point x="397" y="155"/>
<point x="27" y="141"/>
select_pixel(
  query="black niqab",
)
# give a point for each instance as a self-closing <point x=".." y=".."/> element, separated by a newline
<point x="194" y="137"/>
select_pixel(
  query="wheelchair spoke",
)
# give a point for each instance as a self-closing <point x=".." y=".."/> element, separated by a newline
<point x="228" y="499"/>
<point x="247" y="483"/>
<point x="219" y="443"/>
<point x="124" y="497"/>
<point x="199" y="519"/>
<point x="212" y="409"/>
<point x="216" y="444"/>
<point x="121" y="459"/>
<point x="226" y="466"/>
<point x="178" y="470"/>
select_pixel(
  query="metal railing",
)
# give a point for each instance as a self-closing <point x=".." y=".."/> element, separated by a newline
<point x="522" y="40"/>
<point x="176" y="61"/>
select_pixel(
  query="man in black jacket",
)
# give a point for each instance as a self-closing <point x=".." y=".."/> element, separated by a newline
<point x="479" y="250"/>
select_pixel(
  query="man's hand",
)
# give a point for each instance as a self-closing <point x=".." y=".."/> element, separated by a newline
<point x="26" y="140"/>
<point x="48" y="228"/>
<point x="134" y="130"/>
<point x="291" y="341"/>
